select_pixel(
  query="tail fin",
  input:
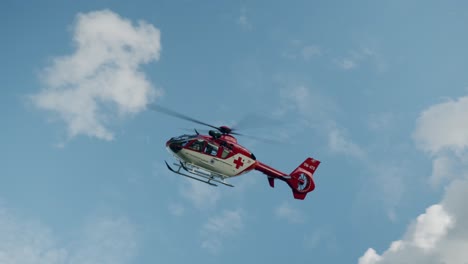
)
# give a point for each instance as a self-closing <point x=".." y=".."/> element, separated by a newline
<point x="301" y="181"/>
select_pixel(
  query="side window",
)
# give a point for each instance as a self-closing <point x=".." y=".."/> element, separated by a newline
<point x="225" y="153"/>
<point x="211" y="149"/>
<point x="197" y="145"/>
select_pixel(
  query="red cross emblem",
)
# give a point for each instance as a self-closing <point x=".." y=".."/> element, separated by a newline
<point x="238" y="163"/>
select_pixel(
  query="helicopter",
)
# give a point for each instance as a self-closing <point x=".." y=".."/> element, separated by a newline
<point x="215" y="157"/>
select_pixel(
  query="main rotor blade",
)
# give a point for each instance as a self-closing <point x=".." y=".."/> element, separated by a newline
<point x="166" y="111"/>
<point x="265" y="140"/>
<point x="254" y="121"/>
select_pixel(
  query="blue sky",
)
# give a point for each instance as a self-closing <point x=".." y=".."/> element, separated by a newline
<point x="376" y="90"/>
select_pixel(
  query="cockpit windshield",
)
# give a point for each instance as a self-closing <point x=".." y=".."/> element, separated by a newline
<point x="183" y="138"/>
<point x="177" y="143"/>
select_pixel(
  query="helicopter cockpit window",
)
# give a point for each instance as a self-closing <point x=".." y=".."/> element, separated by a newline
<point x="183" y="137"/>
<point x="211" y="149"/>
<point x="197" y="145"/>
<point x="225" y="153"/>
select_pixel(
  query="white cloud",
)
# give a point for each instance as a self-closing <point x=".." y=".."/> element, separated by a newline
<point x="310" y="104"/>
<point x="431" y="238"/>
<point x="360" y="56"/>
<point x="292" y="215"/>
<point x="440" y="235"/>
<point x="339" y="143"/>
<point x="201" y="195"/>
<point x="297" y="50"/>
<point x="431" y="227"/>
<point x="102" y="77"/>
<point x="227" y="224"/>
<point x="389" y="183"/>
<point x="106" y="240"/>
<point x="27" y="242"/>
<point x="443" y="127"/>
<point x="443" y="168"/>
<point x="442" y="132"/>
<point x="370" y="257"/>
<point x="103" y="240"/>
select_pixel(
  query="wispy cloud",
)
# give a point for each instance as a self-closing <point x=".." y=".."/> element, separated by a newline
<point x="27" y="242"/>
<point x="338" y="142"/>
<point x="201" y="195"/>
<point x="298" y="50"/>
<point x="105" y="240"/>
<point x="291" y="214"/>
<point x="312" y="106"/>
<point x="102" y="79"/>
<point x="363" y="55"/>
<point x="176" y="209"/>
<point x="381" y="121"/>
<point x="310" y="51"/>
<point x="319" y="112"/>
<point x="321" y="236"/>
<point x="217" y="228"/>
<point x="244" y="21"/>
<point x="347" y="63"/>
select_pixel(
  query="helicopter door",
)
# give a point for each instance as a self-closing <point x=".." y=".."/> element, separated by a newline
<point x="225" y="153"/>
<point x="211" y="149"/>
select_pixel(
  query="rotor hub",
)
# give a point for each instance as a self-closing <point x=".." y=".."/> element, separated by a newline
<point x="225" y="129"/>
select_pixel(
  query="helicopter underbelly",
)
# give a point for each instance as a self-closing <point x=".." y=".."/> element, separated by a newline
<point x="232" y="166"/>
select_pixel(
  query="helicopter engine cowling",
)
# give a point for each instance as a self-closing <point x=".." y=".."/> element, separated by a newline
<point x="214" y="134"/>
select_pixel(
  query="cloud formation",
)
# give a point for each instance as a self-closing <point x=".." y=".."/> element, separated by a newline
<point x="102" y="79"/>
<point x="104" y="240"/>
<point x="440" y="235"/>
<point x="298" y="50"/>
<point x="291" y="214"/>
<point x="339" y="143"/>
<point x="443" y="127"/>
<point x="201" y="195"/>
<point x="360" y="56"/>
<point x="226" y="224"/>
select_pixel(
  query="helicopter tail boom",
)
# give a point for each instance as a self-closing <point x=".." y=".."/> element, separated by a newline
<point x="300" y="180"/>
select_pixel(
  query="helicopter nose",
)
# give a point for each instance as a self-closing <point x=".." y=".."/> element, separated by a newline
<point x="173" y="146"/>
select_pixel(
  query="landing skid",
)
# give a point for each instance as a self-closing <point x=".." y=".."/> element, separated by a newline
<point x="202" y="177"/>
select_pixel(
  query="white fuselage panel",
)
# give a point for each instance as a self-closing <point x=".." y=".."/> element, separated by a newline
<point x="232" y="166"/>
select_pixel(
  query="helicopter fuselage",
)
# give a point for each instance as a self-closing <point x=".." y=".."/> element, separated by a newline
<point x="219" y="155"/>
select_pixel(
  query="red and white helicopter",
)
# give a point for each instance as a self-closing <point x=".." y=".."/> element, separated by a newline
<point x="217" y="156"/>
